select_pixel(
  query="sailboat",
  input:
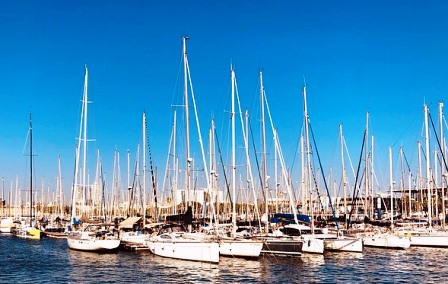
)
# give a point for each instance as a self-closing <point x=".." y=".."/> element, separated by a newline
<point x="277" y="242"/>
<point x="179" y="243"/>
<point x="235" y="246"/>
<point x="388" y="239"/>
<point x="29" y="231"/>
<point x="89" y="237"/>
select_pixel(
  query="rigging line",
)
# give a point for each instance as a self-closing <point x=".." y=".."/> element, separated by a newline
<point x="72" y="212"/>
<point x="356" y="189"/>
<point x="223" y="168"/>
<point x="103" y="191"/>
<point x="256" y="161"/>
<point x="153" y="178"/>
<point x="438" y="142"/>
<point x="295" y="154"/>
<point x="323" y="177"/>
<point x="292" y="167"/>
<point x="132" y="188"/>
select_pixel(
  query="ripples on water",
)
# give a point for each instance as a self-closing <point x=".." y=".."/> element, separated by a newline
<point x="51" y="261"/>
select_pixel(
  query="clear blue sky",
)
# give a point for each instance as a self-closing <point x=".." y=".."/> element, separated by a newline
<point x="385" y="57"/>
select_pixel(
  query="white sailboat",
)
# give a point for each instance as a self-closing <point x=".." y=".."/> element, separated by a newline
<point x="174" y="242"/>
<point x="94" y="237"/>
<point x="234" y="246"/>
<point x="179" y="244"/>
<point x="275" y="243"/>
<point x="388" y="239"/>
<point x="331" y="242"/>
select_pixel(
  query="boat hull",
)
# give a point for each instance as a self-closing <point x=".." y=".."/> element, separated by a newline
<point x="185" y="249"/>
<point x="281" y="246"/>
<point x="428" y="240"/>
<point x="92" y="245"/>
<point x="27" y="233"/>
<point x="6" y="225"/>
<point x="134" y="238"/>
<point x="240" y="248"/>
<point x="387" y="241"/>
<point x="313" y="245"/>
<point x="55" y="235"/>
<point x="5" y="230"/>
<point x="343" y="244"/>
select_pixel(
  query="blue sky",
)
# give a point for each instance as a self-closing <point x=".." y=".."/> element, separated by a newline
<point x="384" y="57"/>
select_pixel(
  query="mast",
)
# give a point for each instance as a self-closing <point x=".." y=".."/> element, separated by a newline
<point x="303" y="191"/>
<point x="308" y="155"/>
<point x="366" y="155"/>
<point x="232" y="117"/>
<point x="372" y="175"/>
<point x="263" y="163"/>
<point x="391" y="182"/>
<point x="144" y="167"/>
<point x="3" y="197"/>
<point x="60" y="187"/>
<point x="82" y="122"/>
<point x="442" y="168"/>
<point x="175" y="163"/>
<point x="42" y="196"/>
<point x="428" y="171"/>
<point x="420" y="179"/>
<point x="344" y="181"/>
<point x="31" y="172"/>
<point x="212" y="168"/>
<point x="275" y="171"/>
<point x="402" y="182"/>
<point x="187" y="124"/>
<point x="128" y="180"/>
<point x="84" y="141"/>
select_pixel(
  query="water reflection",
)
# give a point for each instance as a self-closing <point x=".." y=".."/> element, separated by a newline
<point x="51" y="261"/>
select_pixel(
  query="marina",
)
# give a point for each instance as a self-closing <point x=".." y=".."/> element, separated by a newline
<point x="223" y="142"/>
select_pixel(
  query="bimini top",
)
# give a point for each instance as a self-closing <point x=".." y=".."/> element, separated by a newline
<point x="129" y="223"/>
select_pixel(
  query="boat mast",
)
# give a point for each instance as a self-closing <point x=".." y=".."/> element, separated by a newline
<point x="428" y="170"/>
<point x="366" y="184"/>
<point x="275" y="171"/>
<point x="84" y="141"/>
<point x="60" y="187"/>
<point x="3" y="197"/>
<point x="308" y="156"/>
<point x="372" y="177"/>
<point x="212" y="169"/>
<point x="232" y="117"/>
<point x="443" y="152"/>
<point x="129" y="181"/>
<point x="391" y="183"/>
<point x="174" y="198"/>
<point x="263" y="163"/>
<point x="303" y="191"/>
<point x="420" y="174"/>
<point x="31" y="172"/>
<point x="187" y="124"/>
<point x="402" y="181"/>
<point x="344" y="178"/>
<point x="144" y="166"/>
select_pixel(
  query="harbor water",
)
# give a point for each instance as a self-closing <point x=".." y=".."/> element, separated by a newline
<point x="51" y="261"/>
